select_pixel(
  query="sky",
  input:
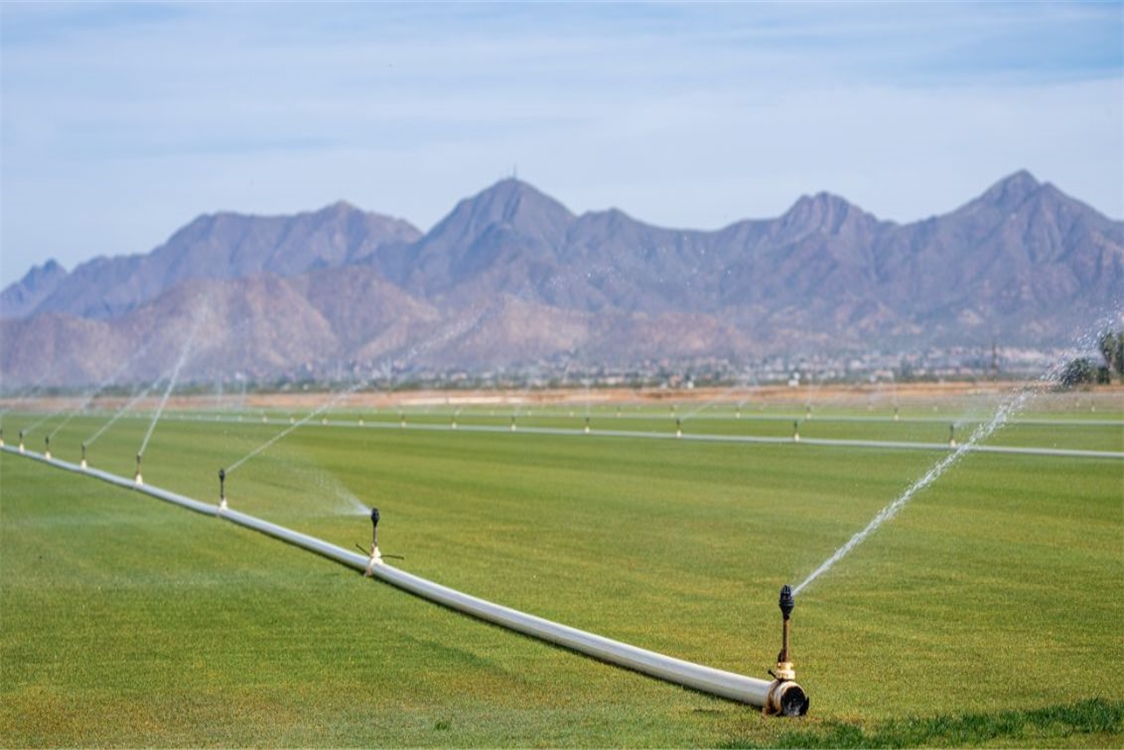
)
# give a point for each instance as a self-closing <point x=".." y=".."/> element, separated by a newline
<point x="121" y="122"/>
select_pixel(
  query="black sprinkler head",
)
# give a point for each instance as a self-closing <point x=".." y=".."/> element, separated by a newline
<point x="222" y="475"/>
<point x="787" y="602"/>
<point x="375" y="517"/>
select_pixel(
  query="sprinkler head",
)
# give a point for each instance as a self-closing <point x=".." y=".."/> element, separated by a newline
<point x="375" y="517"/>
<point x="787" y="601"/>
<point x="222" y="488"/>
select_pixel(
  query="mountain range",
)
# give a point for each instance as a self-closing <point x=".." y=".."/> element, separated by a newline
<point x="511" y="277"/>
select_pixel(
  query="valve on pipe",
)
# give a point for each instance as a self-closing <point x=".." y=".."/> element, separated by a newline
<point x="222" y="489"/>
<point x="785" y="698"/>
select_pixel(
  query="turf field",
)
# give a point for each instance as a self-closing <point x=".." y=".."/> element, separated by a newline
<point x="987" y="613"/>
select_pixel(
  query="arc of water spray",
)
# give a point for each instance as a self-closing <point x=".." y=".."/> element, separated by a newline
<point x="300" y="422"/>
<point x="413" y="352"/>
<point x="30" y="392"/>
<point x="184" y="355"/>
<point x="1006" y="410"/>
<point x="101" y="387"/>
<point x="129" y="405"/>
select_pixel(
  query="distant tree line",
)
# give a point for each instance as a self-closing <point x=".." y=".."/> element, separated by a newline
<point x="1083" y="371"/>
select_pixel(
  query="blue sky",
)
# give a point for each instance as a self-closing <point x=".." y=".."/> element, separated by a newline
<point x="123" y="121"/>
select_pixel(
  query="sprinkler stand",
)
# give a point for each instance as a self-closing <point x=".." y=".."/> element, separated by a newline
<point x="137" y="477"/>
<point x="83" y="464"/>
<point x="21" y="441"/>
<point x="796" y="432"/>
<point x="376" y="556"/>
<point x="222" y="489"/>
<point x="785" y="698"/>
<point x="47" y="449"/>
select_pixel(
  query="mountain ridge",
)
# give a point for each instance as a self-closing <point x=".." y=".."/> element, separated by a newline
<point x="1021" y="262"/>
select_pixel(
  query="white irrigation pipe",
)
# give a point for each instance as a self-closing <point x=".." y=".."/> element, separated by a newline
<point x="772" y="696"/>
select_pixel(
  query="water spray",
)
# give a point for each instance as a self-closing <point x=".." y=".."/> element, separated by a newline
<point x="786" y="698"/>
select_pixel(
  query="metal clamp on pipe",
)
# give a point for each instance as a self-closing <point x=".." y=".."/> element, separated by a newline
<point x="785" y="697"/>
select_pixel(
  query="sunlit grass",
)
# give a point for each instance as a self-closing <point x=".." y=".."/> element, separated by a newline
<point x="995" y="590"/>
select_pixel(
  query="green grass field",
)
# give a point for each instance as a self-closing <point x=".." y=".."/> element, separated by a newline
<point x="989" y="612"/>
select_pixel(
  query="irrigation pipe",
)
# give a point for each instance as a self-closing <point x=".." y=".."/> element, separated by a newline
<point x="775" y="696"/>
<point x="712" y="438"/>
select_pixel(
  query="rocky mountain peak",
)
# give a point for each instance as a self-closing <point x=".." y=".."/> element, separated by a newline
<point x="1011" y="192"/>
<point x="824" y="212"/>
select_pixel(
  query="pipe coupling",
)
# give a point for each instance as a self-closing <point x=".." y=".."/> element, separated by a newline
<point x="785" y="698"/>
